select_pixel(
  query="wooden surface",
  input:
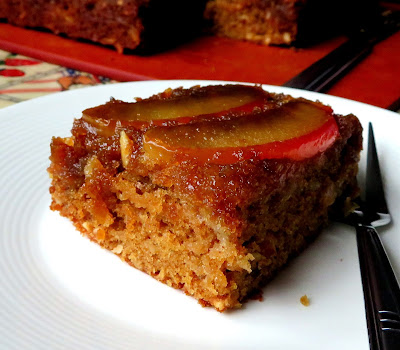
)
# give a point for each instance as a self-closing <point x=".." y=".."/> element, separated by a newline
<point x="374" y="81"/>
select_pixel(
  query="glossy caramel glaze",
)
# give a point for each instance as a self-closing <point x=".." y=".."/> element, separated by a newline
<point x="225" y="188"/>
<point x="179" y="106"/>
<point x="296" y="130"/>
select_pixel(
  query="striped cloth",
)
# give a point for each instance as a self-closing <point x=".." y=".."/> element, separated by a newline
<point x="23" y="78"/>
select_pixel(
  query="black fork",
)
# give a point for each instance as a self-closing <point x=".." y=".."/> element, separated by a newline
<point x="381" y="289"/>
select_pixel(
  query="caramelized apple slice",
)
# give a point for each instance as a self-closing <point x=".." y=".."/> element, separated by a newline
<point x="297" y="130"/>
<point x="214" y="101"/>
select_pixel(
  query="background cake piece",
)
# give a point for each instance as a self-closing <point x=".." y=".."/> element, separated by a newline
<point x="130" y="24"/>
<point x="287" y="21"/>
<point x="153" y="25"/>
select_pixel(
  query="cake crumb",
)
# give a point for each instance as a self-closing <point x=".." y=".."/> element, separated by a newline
<point x="118" y="249"/>
<point x="304" y="300"/>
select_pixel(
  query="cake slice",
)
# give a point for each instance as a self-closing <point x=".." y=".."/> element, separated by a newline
<point x="288" y="22"/>
<point x="125" y="24"/>
<point x="211" y="190"/>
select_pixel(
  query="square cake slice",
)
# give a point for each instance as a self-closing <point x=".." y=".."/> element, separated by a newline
<point x="211" y="190"/>
<point x="148" y="25"/>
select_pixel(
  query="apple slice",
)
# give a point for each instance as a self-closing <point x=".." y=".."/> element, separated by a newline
<point x="205" y="103"/>
<point x="297" y="130"/>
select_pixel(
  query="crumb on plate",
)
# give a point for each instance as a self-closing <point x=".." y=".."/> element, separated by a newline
<point x="304" y="300"/>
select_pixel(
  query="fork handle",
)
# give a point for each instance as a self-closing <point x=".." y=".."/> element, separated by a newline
<point x="381" y="291"/>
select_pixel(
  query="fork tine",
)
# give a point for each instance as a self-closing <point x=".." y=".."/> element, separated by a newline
<point x="374" y="194"/>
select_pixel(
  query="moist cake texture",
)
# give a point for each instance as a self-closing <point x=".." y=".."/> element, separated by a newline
<point x="263" y="22"/>
<point x="218" y="231"/>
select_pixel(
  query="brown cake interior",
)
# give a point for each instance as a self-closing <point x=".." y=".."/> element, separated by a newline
<point x="218" y="232"/>
<point x="289" y="22"/>
<point x="264" y="22"/>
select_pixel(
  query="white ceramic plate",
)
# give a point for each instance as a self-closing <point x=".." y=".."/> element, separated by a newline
<point x="60" y="291"/>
